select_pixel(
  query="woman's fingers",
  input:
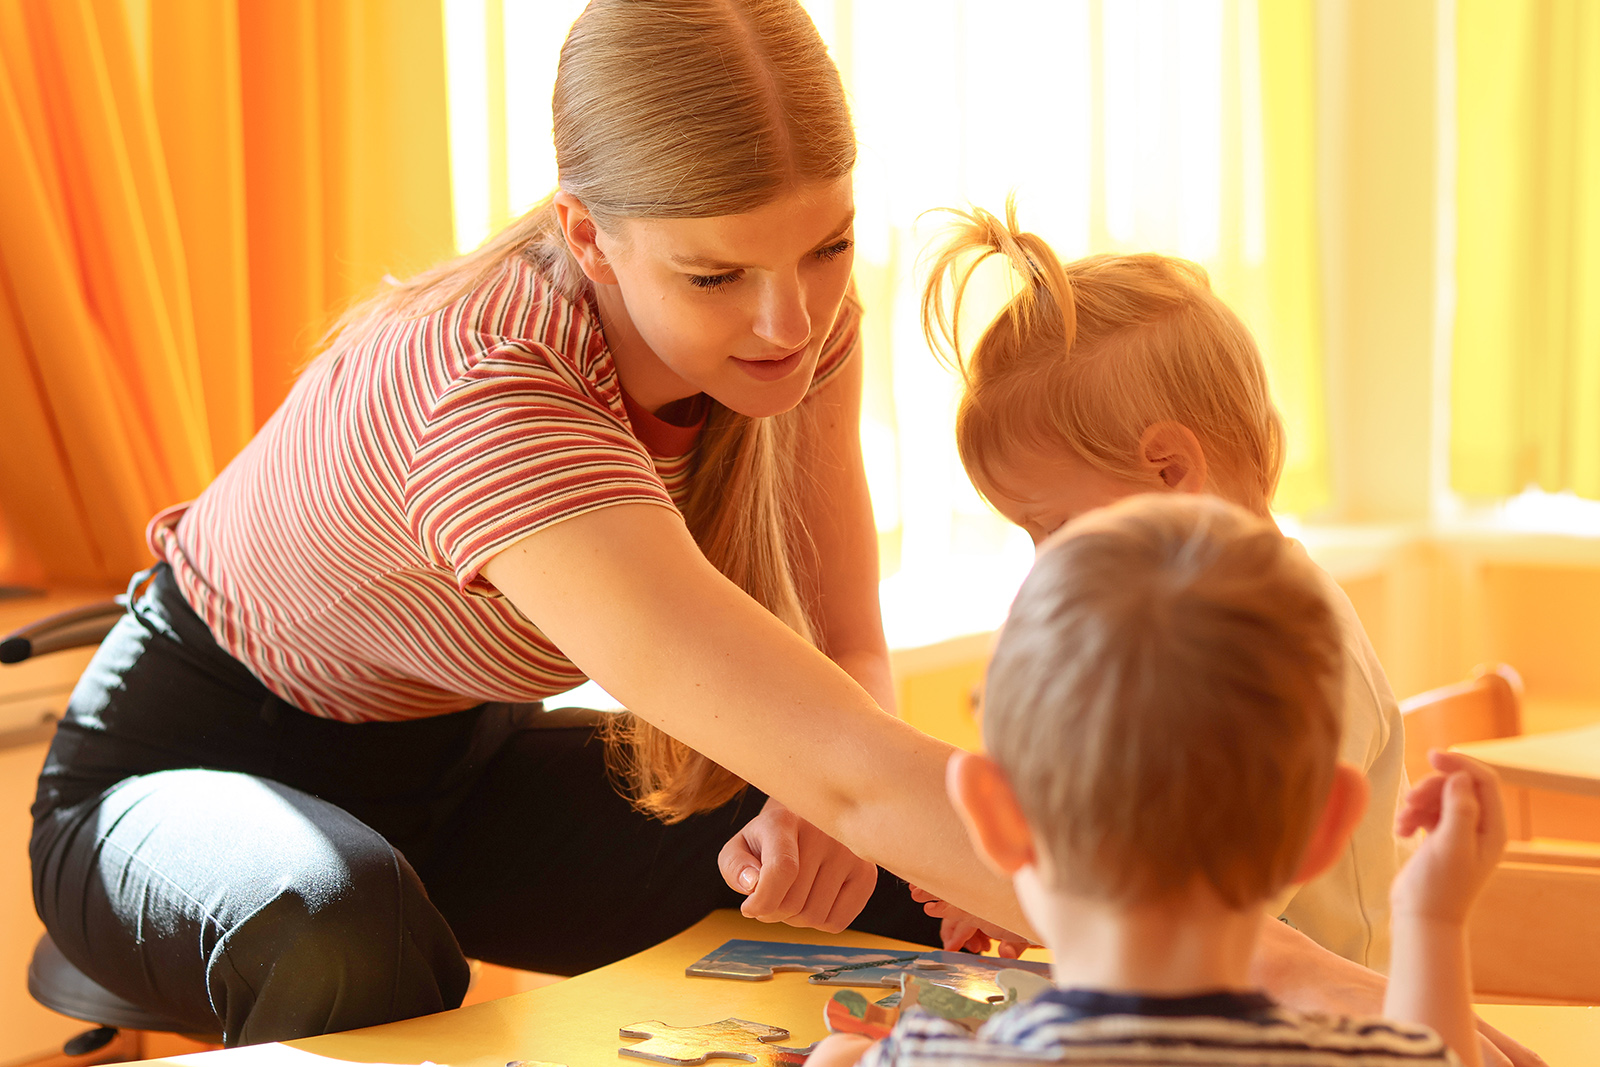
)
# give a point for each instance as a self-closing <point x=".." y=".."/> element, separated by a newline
<point x="739" y="863"/>
<point x="852" y="896"/>
<point x="792" y="872"/>
<point x="781" y="868"/>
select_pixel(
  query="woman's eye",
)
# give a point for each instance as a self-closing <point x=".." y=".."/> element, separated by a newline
<point x="834" y="251"/>
<point x="711" y="281"/>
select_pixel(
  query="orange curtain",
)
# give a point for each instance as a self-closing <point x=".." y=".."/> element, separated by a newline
<point x="193" y="189"/>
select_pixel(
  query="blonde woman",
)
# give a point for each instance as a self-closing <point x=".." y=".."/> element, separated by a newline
<point x="307" y="774"/>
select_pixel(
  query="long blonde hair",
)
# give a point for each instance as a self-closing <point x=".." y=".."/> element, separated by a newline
<point x="1090" y="354"/>
<point x="682" y="109"/>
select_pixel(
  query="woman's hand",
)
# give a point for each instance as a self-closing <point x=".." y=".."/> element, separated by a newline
<point x="962" y="931"/>
<point x="791" y="872"/>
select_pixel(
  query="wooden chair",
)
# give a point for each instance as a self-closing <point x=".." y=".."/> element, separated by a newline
<point x="1486" y="706"/>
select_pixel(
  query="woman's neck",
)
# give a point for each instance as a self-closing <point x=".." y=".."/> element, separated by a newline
<point x="653" y="385"/>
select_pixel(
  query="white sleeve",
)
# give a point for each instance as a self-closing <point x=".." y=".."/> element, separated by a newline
<point x="1346" y="909"/>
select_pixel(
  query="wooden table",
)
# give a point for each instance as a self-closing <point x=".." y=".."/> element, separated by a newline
<point x="1566" y="761"/>
<point x="575" y="1022"/>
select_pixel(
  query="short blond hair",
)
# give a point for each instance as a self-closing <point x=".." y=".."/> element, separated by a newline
<point x="1164" y="700"/>
<point x="1090" y="354"/>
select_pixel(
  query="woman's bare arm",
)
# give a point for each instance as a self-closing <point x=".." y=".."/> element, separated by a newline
<point x="626" y="594"/>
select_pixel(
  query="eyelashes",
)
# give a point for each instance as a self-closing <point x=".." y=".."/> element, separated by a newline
<point x="713" y="282"/>
<point x="835" y="250"/>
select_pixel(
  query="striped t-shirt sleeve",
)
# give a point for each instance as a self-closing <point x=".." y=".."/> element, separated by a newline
<point x="515" y="445"/>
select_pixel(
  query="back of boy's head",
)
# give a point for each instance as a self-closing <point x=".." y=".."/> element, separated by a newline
<point x="1090" y="354"/>
<point x="1164" y="700"/>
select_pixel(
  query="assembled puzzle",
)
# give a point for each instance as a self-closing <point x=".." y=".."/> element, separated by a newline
<point x="974" y="977"/>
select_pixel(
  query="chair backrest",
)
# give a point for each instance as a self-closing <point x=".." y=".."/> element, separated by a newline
<point x="1486" y="706"/>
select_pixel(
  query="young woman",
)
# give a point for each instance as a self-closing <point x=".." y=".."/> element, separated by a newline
<point x="307" y="774"/>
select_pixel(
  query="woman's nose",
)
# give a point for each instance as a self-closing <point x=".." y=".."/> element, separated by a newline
<point x="782" y="319"/>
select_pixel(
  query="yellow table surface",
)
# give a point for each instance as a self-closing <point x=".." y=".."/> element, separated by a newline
<point x="1564" y="760"/>
<point x="575" y="1022"/>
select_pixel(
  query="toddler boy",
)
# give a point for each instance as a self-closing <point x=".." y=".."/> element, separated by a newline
<point x="1161" y="719"/>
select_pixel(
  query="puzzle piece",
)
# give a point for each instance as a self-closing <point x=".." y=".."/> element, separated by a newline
<point x="754" y="961"/>
<point x="948" y="1004"/>
<point x="848" y="1012"/>
<point x="1024" y="984"/>
<point x="730" y="1039"/>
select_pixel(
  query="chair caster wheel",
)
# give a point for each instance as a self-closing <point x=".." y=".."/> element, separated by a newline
<point x="90" y="1041"/>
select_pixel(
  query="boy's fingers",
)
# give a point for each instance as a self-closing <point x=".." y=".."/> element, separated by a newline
<point x="1461" y="808"/>
<point x="1491" y="808"/>
<point x="1420" y="808"/>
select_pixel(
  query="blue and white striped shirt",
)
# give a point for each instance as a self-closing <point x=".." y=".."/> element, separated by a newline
<point x="1078" y="1026"/>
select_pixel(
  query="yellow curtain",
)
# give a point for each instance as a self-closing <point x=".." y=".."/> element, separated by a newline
<point x="1525" y="390"/>
<point x="1286" y="309"/>
<point x="192" y="190"/>
<point x="1168" y="126"/>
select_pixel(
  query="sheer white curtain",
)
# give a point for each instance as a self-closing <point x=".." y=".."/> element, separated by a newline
<point x="1120" y="125"/>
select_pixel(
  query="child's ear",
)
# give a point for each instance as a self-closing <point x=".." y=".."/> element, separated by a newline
<point x="1170" y="451"/>
<point x="1347" y="802"/>
<point x="582" y="237"/>
<point x="985" y="801"/>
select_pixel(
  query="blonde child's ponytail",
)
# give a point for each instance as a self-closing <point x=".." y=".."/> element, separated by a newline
<point x="1090" y="354"/>
<point x="1044" y="308"/>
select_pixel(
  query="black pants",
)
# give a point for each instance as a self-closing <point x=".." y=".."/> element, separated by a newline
<point x="205" y="849"/>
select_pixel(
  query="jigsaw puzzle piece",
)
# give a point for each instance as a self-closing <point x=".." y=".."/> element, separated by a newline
<point x="848" y="1012"/>
<point x="1020" y="985"/>
<point x="729" y="1039"/>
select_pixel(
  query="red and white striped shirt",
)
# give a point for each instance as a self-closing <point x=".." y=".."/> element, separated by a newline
<point x="338" y="555"/>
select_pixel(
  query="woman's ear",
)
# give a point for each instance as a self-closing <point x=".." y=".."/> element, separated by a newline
<point x="983" y="798"/>
<point x="1347" y="802"/>
<point x="583" y="237"/>
<point x="1171" y="452"/>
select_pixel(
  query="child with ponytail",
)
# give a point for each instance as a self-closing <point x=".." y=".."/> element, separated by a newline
<point x="1123" y="374"/>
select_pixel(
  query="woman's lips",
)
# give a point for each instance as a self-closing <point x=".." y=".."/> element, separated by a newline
<point x="770" y="370"/>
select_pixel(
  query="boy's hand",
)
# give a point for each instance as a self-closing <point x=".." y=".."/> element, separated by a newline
<point x="1461" y="810"/>
<point x="792" y="872"/>
<point x="962" y="931"/>
<point x="839" y="1050"/>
